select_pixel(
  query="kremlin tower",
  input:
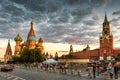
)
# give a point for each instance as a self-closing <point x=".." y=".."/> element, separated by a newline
<point x="106" y="40"/>
<point x="106" y="50"/>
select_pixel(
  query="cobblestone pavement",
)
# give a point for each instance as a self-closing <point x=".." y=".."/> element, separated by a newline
<point x="35" y="74"/>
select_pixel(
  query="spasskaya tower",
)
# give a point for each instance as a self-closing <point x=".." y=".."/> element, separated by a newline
<point x="106" y="40"/>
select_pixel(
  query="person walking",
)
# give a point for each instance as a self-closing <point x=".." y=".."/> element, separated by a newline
<point x="116" y="70"/>
<point x="94" y="71"/>
<point x="89" y="69"/>
<point x="110" y="70"/>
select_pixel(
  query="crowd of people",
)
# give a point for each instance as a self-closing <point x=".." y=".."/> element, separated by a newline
<point x="108" y="70"/>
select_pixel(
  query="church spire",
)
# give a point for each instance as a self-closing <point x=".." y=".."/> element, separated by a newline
<point x="40" y="40"/>
<point x="8" y="47"/>
<point x="8" y="53"/>
<point x="8" y="43"/>
<point x="31" y="32"/>
<point x="71" y="49"/>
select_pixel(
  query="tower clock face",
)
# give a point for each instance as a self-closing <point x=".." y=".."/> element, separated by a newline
<point x="105" y="32"/>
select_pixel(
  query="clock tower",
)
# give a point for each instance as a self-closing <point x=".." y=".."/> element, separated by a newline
<point x="106" y="41"/>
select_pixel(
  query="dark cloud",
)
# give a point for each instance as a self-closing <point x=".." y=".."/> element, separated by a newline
<point x="65" y="21"/>
<point x="116" y="13"/>
<point x="79" y="15"/>
<point x="75" y="2"/>
<point x="89" y="22"/>
<point x="99" y="3"/>
<point x="13" y="10"/>
<point x="95" y="18"/>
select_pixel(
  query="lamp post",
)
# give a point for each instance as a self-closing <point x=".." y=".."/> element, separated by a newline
<point x="34" y="56"/>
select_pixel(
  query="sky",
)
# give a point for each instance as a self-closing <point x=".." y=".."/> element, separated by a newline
<point x="59" y="22"/>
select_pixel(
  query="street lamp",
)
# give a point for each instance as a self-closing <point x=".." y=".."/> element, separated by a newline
<point x="34" y="55"/>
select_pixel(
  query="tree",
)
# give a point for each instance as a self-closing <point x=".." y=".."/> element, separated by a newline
<point x="16" y="59"/>
<point x="38" y="57"/>
<point x="33" y="55"/>
<point x="25" y="55"/>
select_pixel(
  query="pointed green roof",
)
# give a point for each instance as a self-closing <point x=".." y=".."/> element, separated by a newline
<point x="18" y="38"/>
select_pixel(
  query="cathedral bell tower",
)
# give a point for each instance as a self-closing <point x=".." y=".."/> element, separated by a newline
<point x="40" y="45"/>
<point x="106" y="41"/>
<point x="31" y="39"/>
<point x="8" y="53"/>
<point x="18" y="41"/>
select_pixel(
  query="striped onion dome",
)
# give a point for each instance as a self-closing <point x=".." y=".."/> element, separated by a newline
<point x="18" y="38"/>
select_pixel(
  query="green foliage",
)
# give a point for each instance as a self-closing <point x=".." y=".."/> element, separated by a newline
<point x="16" y="59"/>
<point x="33" y="55"/>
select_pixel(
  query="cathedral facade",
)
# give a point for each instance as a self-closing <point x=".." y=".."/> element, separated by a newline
<point x="105" y="51"/>
<point x="30" y="43"/>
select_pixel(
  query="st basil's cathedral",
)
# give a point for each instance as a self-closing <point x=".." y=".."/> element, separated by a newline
<point x="30" y="43"/>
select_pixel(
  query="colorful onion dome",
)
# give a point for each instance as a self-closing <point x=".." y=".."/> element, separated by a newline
<point x="31" y="38"/>
<point x="18" y="38"/>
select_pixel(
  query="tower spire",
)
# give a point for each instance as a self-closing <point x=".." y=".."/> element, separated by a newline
<point x="8" y="53"/>
<point x="105" y="20"/>
<point x="31" y="32"/>
<point x="71" y="49"/>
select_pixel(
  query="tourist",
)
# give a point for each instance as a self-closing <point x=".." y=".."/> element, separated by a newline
<point x="89" y="69"/>
<point x="94" y="70"/>
<point x="110" y="70"/>
<point x="116" y="71"/>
